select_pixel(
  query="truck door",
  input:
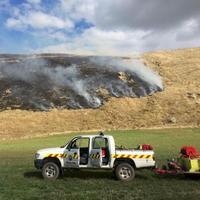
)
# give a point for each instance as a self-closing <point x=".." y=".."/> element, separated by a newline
<point x="98" y="145"/>
<point x="72" y="154"/>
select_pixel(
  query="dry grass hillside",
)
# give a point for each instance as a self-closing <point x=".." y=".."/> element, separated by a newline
<point x="177" y="106"/>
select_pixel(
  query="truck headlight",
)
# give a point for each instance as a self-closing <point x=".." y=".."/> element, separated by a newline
<point x="37" y="155"/>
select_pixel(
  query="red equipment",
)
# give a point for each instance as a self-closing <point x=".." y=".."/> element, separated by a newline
<point x="189" y="152"/>
<point x="171" y="168"/>
<point x="103" y="152"/>
<point x="147" y="147"/>
<point x="188" y="162"/>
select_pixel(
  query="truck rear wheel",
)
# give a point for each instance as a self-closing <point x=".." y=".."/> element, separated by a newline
<point x="125" y="172"/>
<point x="50" y="171"/>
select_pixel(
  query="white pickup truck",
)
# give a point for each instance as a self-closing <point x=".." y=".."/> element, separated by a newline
<point x="93" y="151"/>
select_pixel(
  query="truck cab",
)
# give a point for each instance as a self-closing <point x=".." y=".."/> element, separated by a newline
<point x="90" y="151"/>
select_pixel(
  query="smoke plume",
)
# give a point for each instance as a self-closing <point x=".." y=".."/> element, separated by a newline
<point x="45" y="82"/>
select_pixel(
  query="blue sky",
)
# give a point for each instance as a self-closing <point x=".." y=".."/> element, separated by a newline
<point x="25" y="38"/>
<point x="119" y="27"/>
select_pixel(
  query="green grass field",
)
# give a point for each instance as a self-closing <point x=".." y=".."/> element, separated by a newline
<point x="20" y="180"/>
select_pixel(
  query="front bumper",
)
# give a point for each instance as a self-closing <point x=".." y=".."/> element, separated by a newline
<point x="38" y="163"/>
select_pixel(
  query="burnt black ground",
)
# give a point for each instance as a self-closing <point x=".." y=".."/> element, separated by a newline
<point x="43" y="82"/>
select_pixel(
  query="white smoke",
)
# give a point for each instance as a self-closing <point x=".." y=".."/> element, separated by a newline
<point x="59" y="76"/>
<point x="76" y="80"/>
<point x="71" y="77"/>
<point x="133" y="65"/>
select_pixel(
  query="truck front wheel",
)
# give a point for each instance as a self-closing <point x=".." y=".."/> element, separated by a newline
<point x="125" y="172"/>
<point x="50" y="171"/>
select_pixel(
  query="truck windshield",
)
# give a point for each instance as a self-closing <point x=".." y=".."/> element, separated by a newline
<point x="64" y="145"/>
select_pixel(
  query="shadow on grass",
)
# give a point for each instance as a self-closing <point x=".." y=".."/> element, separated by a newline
<point x="33" y="174"/>
<point x="97" y="174"/>
<point x="75" y="173"/>
<point x="103" y="174"/>
<point x="83" y="174"/>
<point x="186" y="177"/>
<point x="88" y="174"/>
<point x="192" y="176"/>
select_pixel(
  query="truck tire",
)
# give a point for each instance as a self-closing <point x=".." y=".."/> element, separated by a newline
<point x="50" y="171"/>
<point x="125" y="172"/>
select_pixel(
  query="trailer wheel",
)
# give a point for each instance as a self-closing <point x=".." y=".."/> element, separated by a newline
<point x="125" y="172"/>
<point x="50" y="171"/>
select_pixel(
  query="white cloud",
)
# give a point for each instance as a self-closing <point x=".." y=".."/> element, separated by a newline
<point x="42" y="20"/>
<point x="14" y="23"/>
<point x="34" y="1"/>
<point x="38" y="20"/>
<point x="120" y="27"/>
<point x="50" y="35"/>
<point x="78" y="9"/>
<point x="96" y="41"/>
<point x="125" y="27"/>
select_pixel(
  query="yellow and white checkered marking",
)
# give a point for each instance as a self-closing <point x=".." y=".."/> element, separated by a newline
<point x="95" y="156"/>
<point x="74" y="156"/>
<point x="132" y="156"/>
<point x="56" y="155"/>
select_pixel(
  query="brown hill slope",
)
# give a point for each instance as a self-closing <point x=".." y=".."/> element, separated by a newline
<point x="177" y="106"/>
